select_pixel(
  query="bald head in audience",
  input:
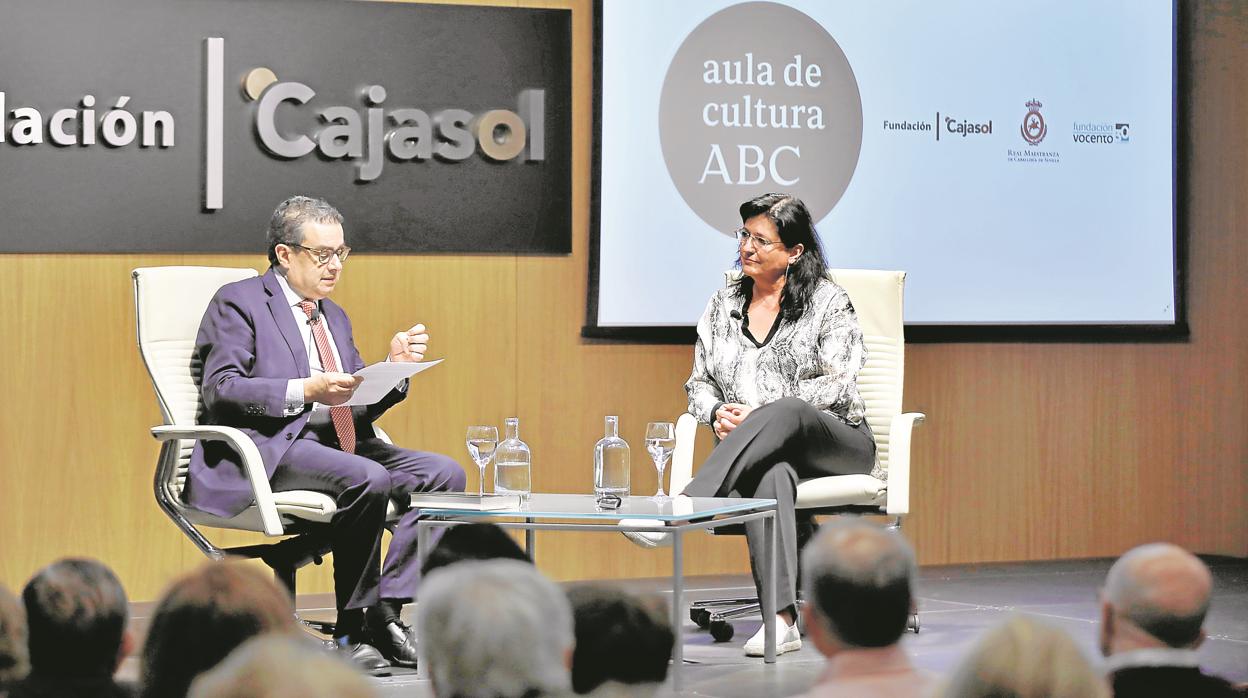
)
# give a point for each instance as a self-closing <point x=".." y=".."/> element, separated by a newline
<point x="1155" y="595"/>
<point x="1153" y="609"/>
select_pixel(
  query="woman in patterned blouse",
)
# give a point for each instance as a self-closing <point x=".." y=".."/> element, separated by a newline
<point x="775" y="375"/>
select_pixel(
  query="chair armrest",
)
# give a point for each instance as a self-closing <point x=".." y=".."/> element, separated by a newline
<point x="381" y="434"/>
<point x="899" y="461"/>
<point x="682" y="455"/>
<point x="253" y="464"/>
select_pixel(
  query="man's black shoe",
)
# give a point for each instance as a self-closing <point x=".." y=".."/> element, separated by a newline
<point x="363" y="655"/>
<point x="393" y="638"/>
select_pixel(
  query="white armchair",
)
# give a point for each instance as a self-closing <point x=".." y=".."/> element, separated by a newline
<point x="169" y="303"/>
<point x="878" y="299"/>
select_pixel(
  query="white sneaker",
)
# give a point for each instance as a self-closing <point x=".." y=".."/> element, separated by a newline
<point x="788" y="639"/>
<point x="656" y="539"/>
<point x="646" y="539"/>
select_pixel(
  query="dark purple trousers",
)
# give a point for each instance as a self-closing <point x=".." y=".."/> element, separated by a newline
<point x="362" y="483"/>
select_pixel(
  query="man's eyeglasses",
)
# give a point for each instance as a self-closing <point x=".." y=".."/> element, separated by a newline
<point x="760" y="243"/>
<point x="322" y="255"/>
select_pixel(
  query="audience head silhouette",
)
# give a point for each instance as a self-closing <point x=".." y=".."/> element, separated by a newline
<point x="494" y="629"/>
<point x="620" y="639"/>
<point x="859" y="582"/>
<point x="277" y="666"/>
<point x="14" y="657"/>
<point x="1024" y="658"/>
<point x="76" y="615"/>
<point x="474" y="541"/>
<point x="205" y="615"/>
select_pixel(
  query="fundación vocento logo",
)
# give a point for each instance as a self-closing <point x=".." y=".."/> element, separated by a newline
<point x="741" y="113"/>
<point x="1100" y="133"/>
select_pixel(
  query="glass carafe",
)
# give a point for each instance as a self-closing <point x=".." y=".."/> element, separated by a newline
<point x="611" y="465"/>
<point x="512" y="462"/>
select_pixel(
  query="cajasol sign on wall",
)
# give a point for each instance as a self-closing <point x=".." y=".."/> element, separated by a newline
<point x="178" y="125"/>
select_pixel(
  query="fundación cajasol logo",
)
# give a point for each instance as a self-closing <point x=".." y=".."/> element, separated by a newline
<point x="371" y="133"/>
<point x="367" y="134"/>
<point x="951" y="126"/>
<point x="741" y="113"/>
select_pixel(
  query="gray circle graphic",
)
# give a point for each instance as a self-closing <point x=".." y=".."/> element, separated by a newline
<point x="759" y="98"/>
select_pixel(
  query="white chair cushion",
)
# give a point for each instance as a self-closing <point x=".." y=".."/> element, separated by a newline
<point x="316" y="506"/>
<point x="304" y="505"/>
<point x="841" y="490"/>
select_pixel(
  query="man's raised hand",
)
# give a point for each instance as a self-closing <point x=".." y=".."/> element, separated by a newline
<point x="409" y="345"/>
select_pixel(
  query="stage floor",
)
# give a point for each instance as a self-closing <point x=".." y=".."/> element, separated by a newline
<point x="956" y="604"/>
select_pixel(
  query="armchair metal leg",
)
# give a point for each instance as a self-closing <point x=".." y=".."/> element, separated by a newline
<point x="286" y="577"/>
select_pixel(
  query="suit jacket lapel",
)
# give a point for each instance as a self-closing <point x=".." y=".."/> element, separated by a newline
<point x="285" y="320"/>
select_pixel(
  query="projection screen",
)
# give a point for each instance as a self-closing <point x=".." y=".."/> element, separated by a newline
<point x="1016" y="160"/>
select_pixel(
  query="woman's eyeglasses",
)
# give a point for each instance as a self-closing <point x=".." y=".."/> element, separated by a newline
<point x="760" y="243"/>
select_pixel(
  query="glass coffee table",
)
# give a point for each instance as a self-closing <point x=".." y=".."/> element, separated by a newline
<point x="580" y="512"/>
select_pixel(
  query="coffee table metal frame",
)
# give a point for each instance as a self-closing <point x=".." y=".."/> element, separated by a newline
<point x="576" y="512"/>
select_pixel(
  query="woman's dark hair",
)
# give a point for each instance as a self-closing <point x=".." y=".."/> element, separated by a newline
<point x="204" y="616"/>
<point x="793" y="222"/>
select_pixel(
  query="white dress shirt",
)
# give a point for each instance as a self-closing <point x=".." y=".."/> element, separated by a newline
<point x="294" y="388"/>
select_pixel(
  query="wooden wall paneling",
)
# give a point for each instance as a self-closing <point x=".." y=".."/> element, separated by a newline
<point x="1030" y="450"/>
<point x="78" y="460"/>
<point x="467" y="303"/>
<point x="571" y="383"/>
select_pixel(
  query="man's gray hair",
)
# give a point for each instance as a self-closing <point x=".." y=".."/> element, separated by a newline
<point x="286" y="225"/>
<point x="1163" y="590"/>
<point x="859" y="578"/>
<point x="494" y="629"/>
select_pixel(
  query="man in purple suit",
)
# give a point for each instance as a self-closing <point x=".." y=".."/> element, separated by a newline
<point x="277" y="362"/>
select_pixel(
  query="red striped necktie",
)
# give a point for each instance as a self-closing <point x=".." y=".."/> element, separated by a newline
<point x="340" y="416"/>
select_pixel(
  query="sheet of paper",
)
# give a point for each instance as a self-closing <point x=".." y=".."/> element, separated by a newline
<point x="380" y="378"/>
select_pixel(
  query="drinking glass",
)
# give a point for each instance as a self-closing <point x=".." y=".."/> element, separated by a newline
<point x="482" y="441"/>
<point x="660" y="442"/>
